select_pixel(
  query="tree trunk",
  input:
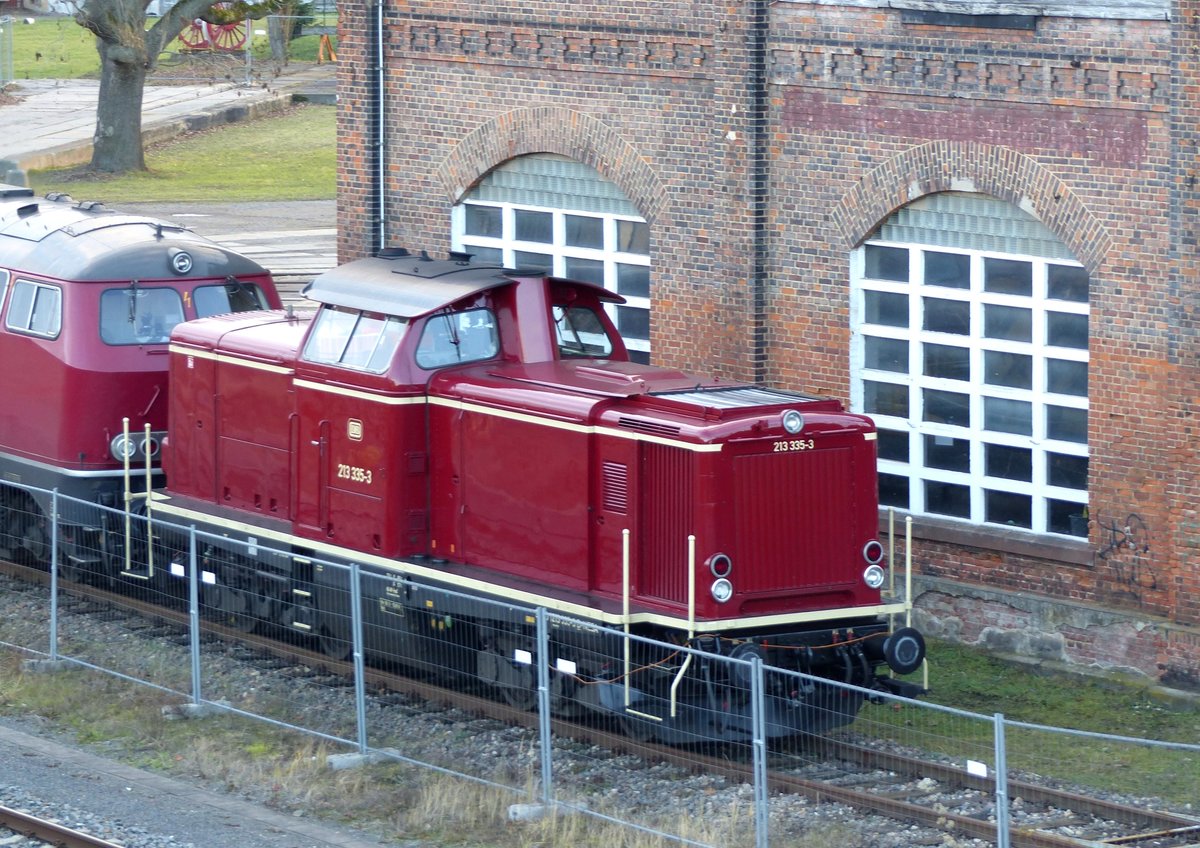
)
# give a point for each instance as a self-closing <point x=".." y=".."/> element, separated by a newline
<point x="117" y="144"/>
<point x="279" y="33"/>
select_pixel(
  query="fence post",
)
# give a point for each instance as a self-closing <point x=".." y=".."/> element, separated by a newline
<point x="360" y="676"/>
<point x="194" y="613"/>
<point x="54" y="575"/>
<point x="543" y="667"/>
<point x="758" y="729"/>
<point x="1002" y="836"/>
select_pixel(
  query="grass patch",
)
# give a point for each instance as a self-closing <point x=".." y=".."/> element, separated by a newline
<point x="291" y="156"/>
<point x="53" y="48"/>
<point x="968" y="679"/>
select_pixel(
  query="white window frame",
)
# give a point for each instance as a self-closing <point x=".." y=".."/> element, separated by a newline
<point x="915" y="381"/>
<point x="559" y="250"/>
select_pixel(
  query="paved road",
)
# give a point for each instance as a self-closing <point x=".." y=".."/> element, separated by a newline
<point x="295" y="240"/>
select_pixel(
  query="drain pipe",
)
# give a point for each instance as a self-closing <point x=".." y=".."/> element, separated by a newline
<point x="379" y="140"/>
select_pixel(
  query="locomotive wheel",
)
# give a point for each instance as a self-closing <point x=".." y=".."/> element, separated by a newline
<point x="195" y="35"/>
<point x="513" y="679"/>
<point x="233" y="608"/>
<point x="332" y="646"/>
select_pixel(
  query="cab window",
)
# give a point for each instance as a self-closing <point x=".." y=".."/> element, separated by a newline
<point x="3" y="287"/>
<point x="580" y="332"/>
<point x="35" y="309"/>
<point x="135" y="315"/>
<point x="231" y="296"/>
<point x="450" y="338"/>
<point x="365" y="341"/>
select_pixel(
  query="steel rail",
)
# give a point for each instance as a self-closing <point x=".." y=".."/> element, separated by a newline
<point x="52" y="833"/>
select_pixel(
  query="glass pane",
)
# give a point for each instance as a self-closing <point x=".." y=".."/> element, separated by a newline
<point x="330" y="333"/>
<point x="947" y="316"/>
<point x="1066" y="517"/>
<point x="1007" y="322"/>
<point x="141" y="316"/>
<point x="947" y="407"/>
<point x="893" y="490"/>
<point x="893" y="445"/>
<point x="633" y="237"/>
<point x="584" y="270"/>
<point x="1067" y="424"/>
<point x="885" y="399"/>
<point x="485" y="255"/>
<point x="21" y="306"/>
<point x="947" y="362"/>
<point x="886" y="354"/>
<point x="1008" y="416"/>
<point x="584" y="231"/>
<point x="363" y="340"/>
<point x="580" y="332"/>
<point x="47" y="312"/>
<point x="633" y="322"/>
<point x="633" y="280"/>
<point x="1008" y="276"/>
<point x="452" y="337"/>
<point x="952" y="270"/>
<point x="886" y="308"/>
<point x="886" y="263"/>
<point x="1067" y="378"/>
<point x="1008" y="508"/>
<point x="484" y="221"/>
<point x="533" y="226"/>
<point x="228" y="297"/>
<point x="1065" y="282"/>
<point x="1070" y="472"/>
<point x="946" y="452"/>
<point x="388" y="342"/>
<point x="1008" y="462"/>
<point x="1067" y="330"/>
<point x="947" y="499"/>
<point x="1007" y="369"/>
<point x="543" y="262"/>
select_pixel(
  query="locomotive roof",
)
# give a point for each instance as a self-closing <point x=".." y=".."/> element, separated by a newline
<point x="57" y="237"/>
<point x="411" y="285"/>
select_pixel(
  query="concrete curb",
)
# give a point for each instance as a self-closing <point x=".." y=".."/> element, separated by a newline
<point x="80" y="153"/>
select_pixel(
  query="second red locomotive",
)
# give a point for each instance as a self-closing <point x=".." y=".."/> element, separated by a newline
<point x="88" y="299"/>
<point x="462" y="427"/>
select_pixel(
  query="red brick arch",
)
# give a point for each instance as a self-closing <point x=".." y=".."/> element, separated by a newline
<point x="553" y="129"/>
<point x="957" y="166"/>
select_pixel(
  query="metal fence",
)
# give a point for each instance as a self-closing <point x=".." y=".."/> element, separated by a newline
<point x="6" y="50"/>
<point x="249" y="52"/>
<point x="408" y="618"/>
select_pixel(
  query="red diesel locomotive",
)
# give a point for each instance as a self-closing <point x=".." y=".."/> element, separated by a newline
<point x="470" y="434"/>
<point x="88" y="298"/>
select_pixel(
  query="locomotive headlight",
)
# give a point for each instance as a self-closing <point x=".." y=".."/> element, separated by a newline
<point x="793" y="421"/>
<point x="123" y="448"/>
<point x="873" y="576"/>
<point x="722" y="590"/>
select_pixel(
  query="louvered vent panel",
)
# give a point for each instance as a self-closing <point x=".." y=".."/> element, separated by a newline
<point x="791" y="508"/>
<point x="615" y="482"/>
<point x="667" y="496"/>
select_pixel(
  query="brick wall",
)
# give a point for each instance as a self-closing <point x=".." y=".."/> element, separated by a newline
<point x="1085" y="123"/>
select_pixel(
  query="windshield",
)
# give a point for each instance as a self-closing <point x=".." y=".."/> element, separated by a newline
<point x="139" y="316"/>
<point x="580" y="332"/>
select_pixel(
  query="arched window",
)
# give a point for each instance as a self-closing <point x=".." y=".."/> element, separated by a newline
<point x="551" y="212"/>
<point x="970" y="352"/>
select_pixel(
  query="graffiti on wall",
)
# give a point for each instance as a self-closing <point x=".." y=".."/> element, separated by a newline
<point x="1125" y="548"/>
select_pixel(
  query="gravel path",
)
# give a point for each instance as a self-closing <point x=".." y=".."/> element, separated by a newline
<point x="140" y="809"/>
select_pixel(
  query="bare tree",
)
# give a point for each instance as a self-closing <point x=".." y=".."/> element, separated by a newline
<point x="128" y="53"/>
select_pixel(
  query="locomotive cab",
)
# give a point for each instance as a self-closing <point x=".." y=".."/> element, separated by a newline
<point x="88" y="298"/>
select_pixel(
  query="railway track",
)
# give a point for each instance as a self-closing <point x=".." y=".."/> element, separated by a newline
<point x="46" y="832"/>
<point x="937" y="796"/>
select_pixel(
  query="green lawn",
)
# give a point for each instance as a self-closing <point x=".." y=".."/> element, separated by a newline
<point x="287" y="157"/>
